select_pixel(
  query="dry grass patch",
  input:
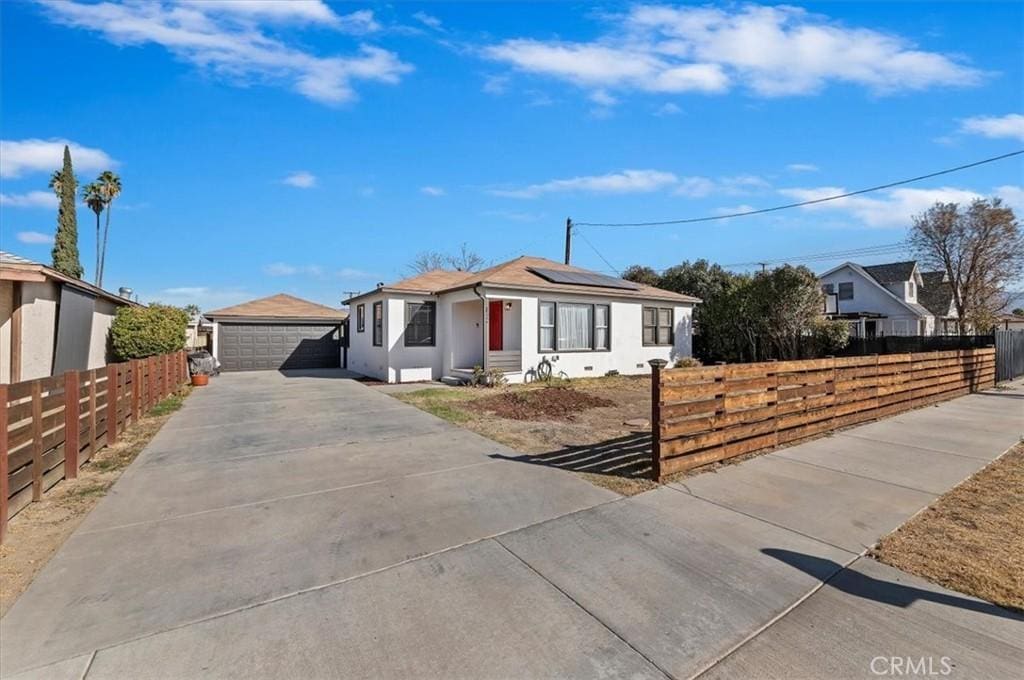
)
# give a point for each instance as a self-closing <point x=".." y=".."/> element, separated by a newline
<point x="577" y="425"/>
<point x="970" y="539"/>
<point x="35" y="533"/>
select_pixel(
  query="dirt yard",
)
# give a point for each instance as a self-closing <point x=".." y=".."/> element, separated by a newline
<point x="578" y="425"/>
<point x="970" y="539"/>
<point x="35" y="533"/>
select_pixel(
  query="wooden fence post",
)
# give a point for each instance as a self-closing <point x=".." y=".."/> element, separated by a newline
<point x="4" y="491"/>
<point x="71" y="396"/>
<point x="150" y="382"/>
<point x="656" y="366"/>
<point x="37" y="440"/>
<point x="111" y="404"/>
<point x="93" y="437"/>
<point x="136" y="390"/>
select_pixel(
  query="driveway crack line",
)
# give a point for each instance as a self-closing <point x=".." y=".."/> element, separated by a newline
<point x="819" y="466"/>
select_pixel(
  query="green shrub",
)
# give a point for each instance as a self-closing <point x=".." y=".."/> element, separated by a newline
<point x="687" y="362"/>
<point x="140" y="332"/>
<point x="829" y="335"/>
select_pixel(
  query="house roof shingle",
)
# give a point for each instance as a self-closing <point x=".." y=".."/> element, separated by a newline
<point x="893" y="272"/>
<point x="517" y="274"/>
<point x="280" y="306"/>
<point x="935" y="293"/>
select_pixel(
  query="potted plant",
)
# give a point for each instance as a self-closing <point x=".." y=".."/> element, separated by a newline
<point x="200" y="377"/>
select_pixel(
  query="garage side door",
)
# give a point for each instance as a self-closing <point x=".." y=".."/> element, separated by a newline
<point x="261" y="347"/>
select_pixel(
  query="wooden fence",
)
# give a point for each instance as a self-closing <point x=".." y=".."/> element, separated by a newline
<point x="50" y="426"/>
<point x="704" y="415"/>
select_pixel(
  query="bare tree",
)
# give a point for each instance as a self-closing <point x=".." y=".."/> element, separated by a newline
<point x="981" y="250"/>
<point x="465" y="260"/>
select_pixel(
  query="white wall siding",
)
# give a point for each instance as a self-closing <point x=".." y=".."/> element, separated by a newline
<point x="868" y="296"/>
<point x="99" y="344"/>
<point x="363" y="356"/>
<point x="410" y="364"/>
<point x="6" y="310"/>
<point x="38" y="328"/>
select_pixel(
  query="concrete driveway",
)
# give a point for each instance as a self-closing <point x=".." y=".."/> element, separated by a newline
<point x="309" y="526"/>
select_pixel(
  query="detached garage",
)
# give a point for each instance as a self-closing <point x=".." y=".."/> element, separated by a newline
<point x="278" y="332"/>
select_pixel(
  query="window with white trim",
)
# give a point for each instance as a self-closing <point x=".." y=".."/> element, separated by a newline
<point x="573" y="327"/>
<point x="658" y="323"/>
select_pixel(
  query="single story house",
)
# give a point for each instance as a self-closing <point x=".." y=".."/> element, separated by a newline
<point x="51" y="323"/>
<point x="522" y="317"/>
<point x="278" y="332"/>
<point x="879" y="300"/>
<point x="199" y="334"/>
<point x="1010" y="322"/>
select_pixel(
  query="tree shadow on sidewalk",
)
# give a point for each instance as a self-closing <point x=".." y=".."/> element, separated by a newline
<point x="855" y="583"/>
<point x="628" y="457"/>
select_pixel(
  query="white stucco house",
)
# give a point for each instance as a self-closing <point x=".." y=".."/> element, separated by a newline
<point x="519" y="317"/>
<point x="51" y="323"/>
<point x="890" y="299"/>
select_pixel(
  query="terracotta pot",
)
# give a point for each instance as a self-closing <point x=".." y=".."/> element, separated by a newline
<point x="200" y="379"/>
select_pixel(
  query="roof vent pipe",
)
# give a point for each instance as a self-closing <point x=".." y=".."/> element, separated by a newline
<point x="125" y="292"/>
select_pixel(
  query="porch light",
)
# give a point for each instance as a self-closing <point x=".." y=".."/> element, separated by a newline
<point x="508" y="306"/>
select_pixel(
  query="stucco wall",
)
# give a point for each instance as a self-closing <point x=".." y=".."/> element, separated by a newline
<point x="6" y="309"/>
<point x="410" y="364"/>
<point x="38" y="328"/>
<point x="627" y="355"/>
<point x="99" y="344"/>
<point x="363" y="357"/>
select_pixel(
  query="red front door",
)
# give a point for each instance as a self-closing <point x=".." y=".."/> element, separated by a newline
<point x="496" y="315"/>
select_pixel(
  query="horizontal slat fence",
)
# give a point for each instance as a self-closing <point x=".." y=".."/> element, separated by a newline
<point x="708" y="414"/>
<point x="50" y="426"/>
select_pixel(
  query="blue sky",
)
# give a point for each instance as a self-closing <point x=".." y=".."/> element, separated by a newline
<point x="316" y="148"/>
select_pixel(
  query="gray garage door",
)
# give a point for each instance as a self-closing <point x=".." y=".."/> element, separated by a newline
<point x="260" y="347"/>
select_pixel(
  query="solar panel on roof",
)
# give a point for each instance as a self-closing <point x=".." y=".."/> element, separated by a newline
<point x="572" y="278"/>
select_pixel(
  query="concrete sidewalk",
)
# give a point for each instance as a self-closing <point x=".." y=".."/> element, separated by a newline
<point x="751" y="571"/>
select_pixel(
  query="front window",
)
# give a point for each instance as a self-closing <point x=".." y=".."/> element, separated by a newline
<point x="573" y="327"/>
<point x="419" y="324"/>
<point x="846" y="291"/>
<point x="378" y="324"/>
<point x="828" y="288"/>
<point x="547" y="327"/>
<point x="360" y="318"/>
<point x="658" y="324"/>
<point x="575" y="323"/>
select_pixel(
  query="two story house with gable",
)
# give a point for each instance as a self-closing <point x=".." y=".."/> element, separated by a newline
<point x="890" y="299"/>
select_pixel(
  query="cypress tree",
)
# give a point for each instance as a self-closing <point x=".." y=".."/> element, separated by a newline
<point x="65" y="245"/>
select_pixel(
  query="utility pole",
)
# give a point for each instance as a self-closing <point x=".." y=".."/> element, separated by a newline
<point x="764" y="267"/>
<point x="568" y="240"/>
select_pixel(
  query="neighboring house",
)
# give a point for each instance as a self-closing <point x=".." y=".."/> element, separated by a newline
<point x="1010" y="322"/>
<point x="199" y="334"/>
<point x="936" y="295"/>
<point x="51" y="323"/>
<point x="278" y="332"/>
<point x="879" y="300"/>
<point x="516" y="317"/>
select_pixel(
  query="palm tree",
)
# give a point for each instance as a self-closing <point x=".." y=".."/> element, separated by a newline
<point x="110" y="188"/>
<point x="56" y="180"/>
<point x="92" y="194"/>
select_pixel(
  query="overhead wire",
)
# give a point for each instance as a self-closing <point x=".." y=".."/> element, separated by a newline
<point x="800" y="204"/>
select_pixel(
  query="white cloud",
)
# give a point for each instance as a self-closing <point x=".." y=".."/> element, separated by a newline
<point x="496" y="84"/>
<point x="33" y="199"/>
<point x="1010" y="125"/>
<point x="893" y="208"/>
<point x="1013" y="196"/>
<point x="302" y="11"/>
<point x="213" y="38"/>
<point x="186" y="290"/>
<point x="771" y="51"/>
<point x="602" y="98"/>
<point x="432" y="191"/>
<point x="285" y="269"/>
<point x="668" y="109"/>
<point x="18" y="157"/>
<point x="301" y="180"/>
<point x="281" y="269"/>
<point x="625" y="182"/>
<point x="427" y="20"/>
<point x="802" y="167"/>
<point x="698" y="187"/>
<point x="367" y="192"/>
<point x="34" y="237"/>
<point x="206" y="297"/>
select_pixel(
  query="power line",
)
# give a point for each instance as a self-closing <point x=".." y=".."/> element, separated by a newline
<point x="801" y="204"/>
<point x="594" y="248"/>
<point x="884" y="249"/>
